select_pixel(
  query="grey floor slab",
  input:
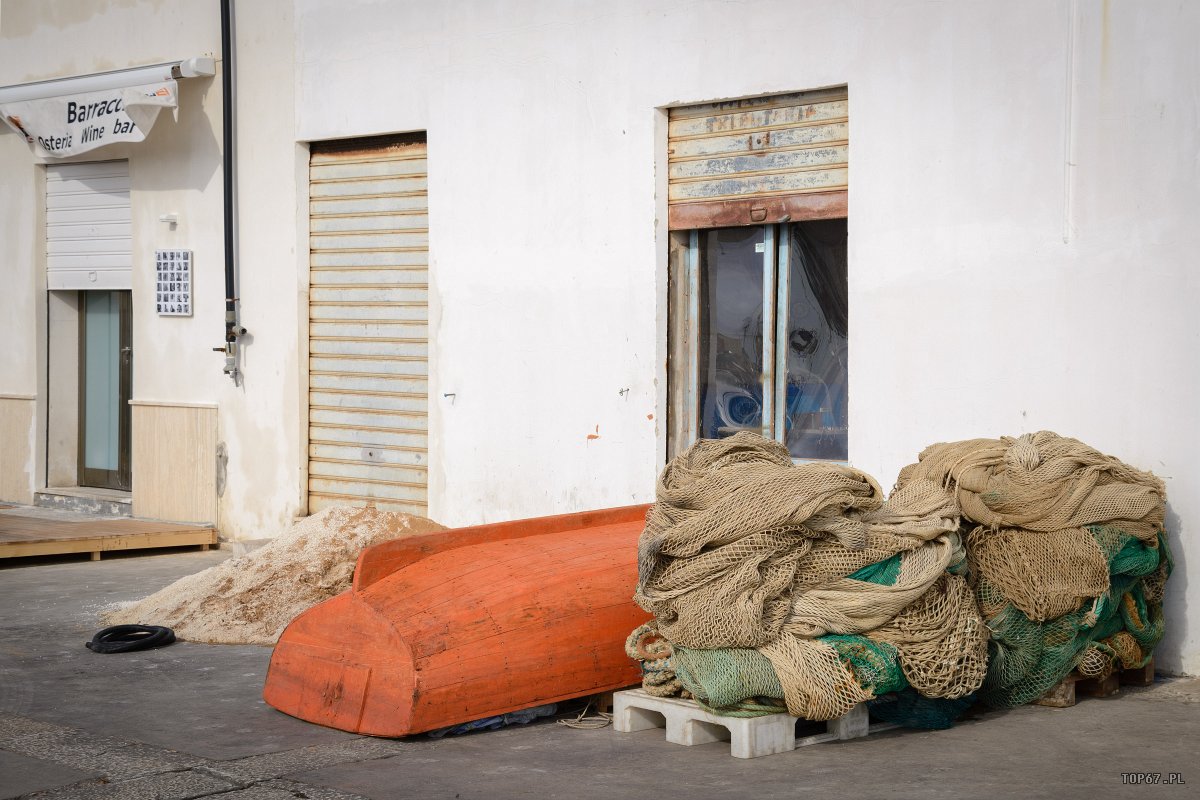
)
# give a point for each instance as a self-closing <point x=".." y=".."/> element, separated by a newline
<point x="275" y="765"/>
<point x="21" y="774"/>
<point x="1029" y="752"/>
<point x="187" y="721"/>
<point x="200" y="699"/>
<point x="164" y="786"/>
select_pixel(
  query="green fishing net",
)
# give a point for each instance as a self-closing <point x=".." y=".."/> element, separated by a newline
<point x="1118" y="630"/>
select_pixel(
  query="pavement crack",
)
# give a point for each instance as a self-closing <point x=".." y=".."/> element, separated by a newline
<point x="268" y="766"/>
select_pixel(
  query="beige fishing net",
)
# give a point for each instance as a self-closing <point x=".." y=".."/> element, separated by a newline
<point x="746" y="550"/>
<point x="1042" y="482"/>
<point x="802" y="582"/>
<point x="1043" y="575"/>
<point x="721" y="545"/>
<point x="939" y="639"/>
<point x="1067" y="556"/>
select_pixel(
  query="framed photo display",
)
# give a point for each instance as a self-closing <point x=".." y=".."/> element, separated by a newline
<point x="173" y="287"/>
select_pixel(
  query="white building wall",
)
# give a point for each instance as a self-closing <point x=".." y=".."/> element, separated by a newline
<point x="177" y="170"/>
<point x="21" y="280"/>
<point x="261" y="420"/>
<point x="1023" y="197"/>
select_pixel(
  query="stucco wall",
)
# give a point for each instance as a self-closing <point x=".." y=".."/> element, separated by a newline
<point x="260" y="419"/>
<point x="1023" y="197"/>
<point x="1023" y="191"/>
<point x="177" y="170"/>
<point x="23" y="279"/>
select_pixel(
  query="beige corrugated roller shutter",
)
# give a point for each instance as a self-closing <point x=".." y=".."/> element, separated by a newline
<point x="368" y="325"/>
<point x="760" y="160"/>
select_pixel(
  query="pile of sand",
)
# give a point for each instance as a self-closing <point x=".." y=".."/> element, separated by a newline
<point x="250" y="600"/>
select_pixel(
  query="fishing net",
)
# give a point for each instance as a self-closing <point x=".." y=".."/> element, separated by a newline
<point x="875" y="665"/>
<point x="776" y="583"/>
<point x="720" y="549"/>
<point x="1066" y="553"/>
<point x="939" y="639"/>
<point x="730" y="681"/>
<point x="1118" y="629"/>
<point x="913" y="710"/>
<point x="1042" y="482"/>
<point x="760" y="572"/>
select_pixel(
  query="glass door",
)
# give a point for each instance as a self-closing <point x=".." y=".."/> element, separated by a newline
<point x="105" y="379"/>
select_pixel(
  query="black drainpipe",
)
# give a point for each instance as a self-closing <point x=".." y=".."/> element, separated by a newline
<point x="232" y="329"/>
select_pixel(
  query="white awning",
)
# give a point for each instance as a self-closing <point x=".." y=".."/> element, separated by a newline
<point x="66" y="117"/>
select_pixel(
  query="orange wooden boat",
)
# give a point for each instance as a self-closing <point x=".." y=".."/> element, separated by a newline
<point x="454" y="626"/>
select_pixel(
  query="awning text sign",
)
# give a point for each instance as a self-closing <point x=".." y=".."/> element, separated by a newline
<point x="58" y="127"/>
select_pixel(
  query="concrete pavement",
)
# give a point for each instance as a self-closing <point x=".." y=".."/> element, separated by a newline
<point x="188" y="721"/>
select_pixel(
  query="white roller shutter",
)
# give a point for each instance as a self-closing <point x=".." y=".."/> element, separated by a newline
<point x="368" y="325"/>
<point x="88" y="226"/>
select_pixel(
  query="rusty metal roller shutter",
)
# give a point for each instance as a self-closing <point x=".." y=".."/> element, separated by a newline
<point x="368" y="325"/>
<point x="761" y="160"/>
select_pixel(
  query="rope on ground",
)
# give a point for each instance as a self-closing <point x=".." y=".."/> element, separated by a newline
<point x="583" y="722"/>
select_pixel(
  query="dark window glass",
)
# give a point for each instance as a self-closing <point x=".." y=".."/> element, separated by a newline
<point x="816" y="415"/>
<point x="731" y="343"/>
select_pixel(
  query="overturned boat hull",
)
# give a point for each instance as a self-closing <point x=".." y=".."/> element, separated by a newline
<point x="458" y="625"/>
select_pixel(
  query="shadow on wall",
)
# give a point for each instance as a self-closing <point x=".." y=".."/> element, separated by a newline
<point x="189" y="145"/>
<point x="1170" y="655"/>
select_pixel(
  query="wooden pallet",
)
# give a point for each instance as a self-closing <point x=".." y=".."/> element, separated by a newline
<point x="688" y="724"/>
<point x="22" y="536"/>
<point x="1070" y="688"/>
<point x="603" y="702"/>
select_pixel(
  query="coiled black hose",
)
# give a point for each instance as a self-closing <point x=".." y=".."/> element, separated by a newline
<point x="127" y="638"/>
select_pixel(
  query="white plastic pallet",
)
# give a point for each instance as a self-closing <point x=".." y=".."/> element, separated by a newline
<point x="749" y="737"/>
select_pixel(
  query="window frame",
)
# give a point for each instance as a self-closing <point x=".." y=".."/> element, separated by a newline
<point x="684" y="334"/>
